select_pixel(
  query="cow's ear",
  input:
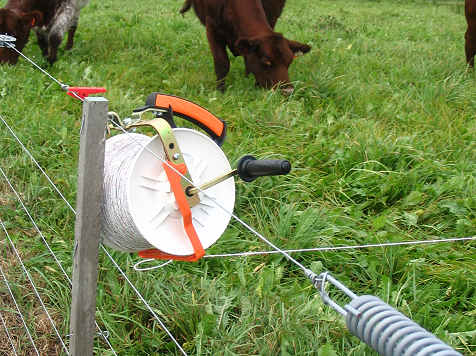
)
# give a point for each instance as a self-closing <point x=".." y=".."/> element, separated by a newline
<point x="245" y="46"/>
<point x="298" y="48"/>
<point x="32" y="18"/>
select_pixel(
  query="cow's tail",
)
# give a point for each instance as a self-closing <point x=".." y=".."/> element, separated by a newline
<point x="186" y="6"/>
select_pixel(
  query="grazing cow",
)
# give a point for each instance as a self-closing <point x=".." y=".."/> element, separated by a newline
<point x="246" y="27"/>
<point x="49" y="19"/>
<point x="470" y="36"/>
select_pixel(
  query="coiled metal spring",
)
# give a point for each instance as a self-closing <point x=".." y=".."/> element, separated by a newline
<point x="391" y="333"/>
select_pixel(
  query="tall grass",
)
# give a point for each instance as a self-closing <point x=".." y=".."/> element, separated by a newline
<point x="380" y="133"/>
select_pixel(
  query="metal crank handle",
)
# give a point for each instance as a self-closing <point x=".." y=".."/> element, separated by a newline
<point x="248" y="168"/>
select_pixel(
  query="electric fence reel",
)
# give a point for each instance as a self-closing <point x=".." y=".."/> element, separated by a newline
<point x="170" y="196"/>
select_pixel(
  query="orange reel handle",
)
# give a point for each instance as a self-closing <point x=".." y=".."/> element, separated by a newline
<point x="192" y="112"/>
<point x="175" y="183"/>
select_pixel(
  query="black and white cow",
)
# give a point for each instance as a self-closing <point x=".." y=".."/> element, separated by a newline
<point x="49" y="19"/>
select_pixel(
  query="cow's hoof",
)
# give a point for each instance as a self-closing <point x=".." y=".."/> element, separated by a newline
<point x="50" y="60"/>
<point x="221" y="87"/>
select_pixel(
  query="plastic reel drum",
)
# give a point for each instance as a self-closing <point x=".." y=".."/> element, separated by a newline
<point x="152" y="203"/>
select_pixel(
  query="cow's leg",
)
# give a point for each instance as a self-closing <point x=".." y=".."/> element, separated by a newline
<point x="470" y="36"/>
<point x="42" y="40"/>
<point x="72" y="31"/>
<point x="58" y="30"/>
<point x="470" y="48"/>
<point x="220" y="57"/>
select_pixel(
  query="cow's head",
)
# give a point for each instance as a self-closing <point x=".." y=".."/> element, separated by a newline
<point x="17" y="24"/>
<point x="268" y="57"/>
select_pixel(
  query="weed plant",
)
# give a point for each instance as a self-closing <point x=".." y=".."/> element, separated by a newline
<point x="380" y="131"/>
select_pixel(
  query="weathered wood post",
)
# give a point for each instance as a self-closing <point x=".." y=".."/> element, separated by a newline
<point x="88" y="225"/>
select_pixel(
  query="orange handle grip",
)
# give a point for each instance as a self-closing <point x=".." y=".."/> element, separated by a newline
<point x="192" y="112"/>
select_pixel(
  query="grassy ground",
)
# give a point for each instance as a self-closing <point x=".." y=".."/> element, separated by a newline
<point x="380" y="133"/>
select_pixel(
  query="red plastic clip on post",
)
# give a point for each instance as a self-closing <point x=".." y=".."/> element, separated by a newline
<point x="82" y="92"/>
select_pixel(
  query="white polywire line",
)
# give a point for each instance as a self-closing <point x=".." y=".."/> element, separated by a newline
<point x="34" y="287"/>
<point x="346" y="247"/>
<point x="63" y="86"/>
<point x="34" y="223"/>
<point x="33" y="159"/>
<point x="136" y="266"/>
<point x="19" y="311"/>
<point x="8" y="335"/>
<point x="51" y="251"/>
<point x="146" y="304"/>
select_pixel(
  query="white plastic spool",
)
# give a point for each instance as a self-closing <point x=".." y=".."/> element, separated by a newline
<point x="139" y="210"/>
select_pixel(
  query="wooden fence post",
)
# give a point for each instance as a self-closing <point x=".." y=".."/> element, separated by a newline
<point x="88" y="225"/>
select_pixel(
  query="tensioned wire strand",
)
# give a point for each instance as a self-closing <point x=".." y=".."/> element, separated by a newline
<point x="33" y="285"/>
<point x="8" y="335"/>
<point x="50" y="250"/>
<point x="145" y="303"/>
<point x="63" y="86"/>
<point x="345" y="247"/>
<point x="110" y="257"/>
<point x="39" y="167"/>
<point x="238" y="254"/>
<point x="19" y="311"/>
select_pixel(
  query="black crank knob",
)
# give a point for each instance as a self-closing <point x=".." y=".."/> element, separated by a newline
<point x="249" y="168"/>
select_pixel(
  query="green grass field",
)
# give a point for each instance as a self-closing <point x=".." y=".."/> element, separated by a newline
<point x="380" y="132"/>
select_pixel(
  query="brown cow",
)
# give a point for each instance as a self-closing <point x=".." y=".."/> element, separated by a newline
<point x="246" y="27"/>
<point x="470" y="36"/>
<point x="49" y="19"/>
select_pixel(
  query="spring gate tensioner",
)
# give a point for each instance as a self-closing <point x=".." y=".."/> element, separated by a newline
<point x="150" y="206"/>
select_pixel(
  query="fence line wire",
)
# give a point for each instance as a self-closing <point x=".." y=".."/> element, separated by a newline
<point x="101" y="333"/>
<point x="33" y="285"/>
<point x="19" y="311"/>
<point x="345" y="247"/>
<point x="8" y="335"/>
<point x="110" y="257"/>
<point x="37" y="164"/>
<point x="145" y="303"/>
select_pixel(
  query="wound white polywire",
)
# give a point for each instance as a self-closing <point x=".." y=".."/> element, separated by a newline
<point x="117" y="222"/>
<point x="19" y="311"/>
<point x="8" y="335"/>
<point x="34" y="287"/>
